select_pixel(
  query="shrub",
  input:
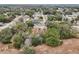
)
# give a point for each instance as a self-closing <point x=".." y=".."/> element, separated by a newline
<point x="51" y="41"/>
<point x="2" y="18"/>
<point x="29" y="23"/>
<point x="54" y="32"/>
<point x="51" y="18"/>
<point x="37" y="41"/>
<point x="20" y="27"/>
<point x="6" y="35"/>
<point x="17" y="41"/>
<point x="52" y="24"/>
<point x="52" y="37"/>
<point x="65" y="34"/>
<point x="28" y="50"/>
<point x="49" y="24"/>
<point x="65" y="31"/>
<point x="30" y="13"/>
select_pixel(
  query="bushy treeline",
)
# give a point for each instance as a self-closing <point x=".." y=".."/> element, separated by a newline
<point x="53" y="36"/>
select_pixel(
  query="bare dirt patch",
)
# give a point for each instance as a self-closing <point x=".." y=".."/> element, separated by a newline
<point x="68" y="46"/>
<point x="4" y="49"/>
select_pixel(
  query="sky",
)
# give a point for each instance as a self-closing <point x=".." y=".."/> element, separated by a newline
<point x="39" y="1"/>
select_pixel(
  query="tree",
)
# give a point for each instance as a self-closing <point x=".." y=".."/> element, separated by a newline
<point x="52" y="37"/>
<point x="17" y="40"/>
<point x="51" y="41"/>
<point x="29" y="23"/>
<point x="2" y="18"/>
<point x="51" y="18"/>
<point x="65" y="31"/>
<point x="19" y="27"/>
<point x="37" y="41"/>
<point x="30" y="13"/>
<point x="6" y="35"/>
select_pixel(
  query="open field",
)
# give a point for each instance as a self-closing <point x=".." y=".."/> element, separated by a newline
<point x="69" y="46"/>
